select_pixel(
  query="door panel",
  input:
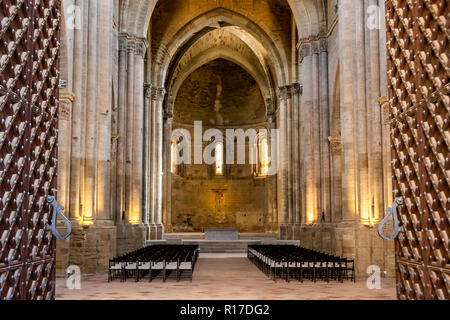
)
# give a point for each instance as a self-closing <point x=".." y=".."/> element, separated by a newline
<point x="418" y="72"/>
<point x="29" y="81"/>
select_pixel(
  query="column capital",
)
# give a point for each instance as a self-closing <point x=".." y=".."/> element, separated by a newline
<point x="304" y="50"/>
<point x="157" y="93"/>
<point x="335" y="143"/>
<point x="297" y="88"/>
<point x="283" y="93"/>
<point x="323" y="45"/>
<point x="140" y="48"/>
<point x="315" y="47"/>
<point x="147" y="89"/>
<point x="270" y="107"/>
<point x="130" y="46"/>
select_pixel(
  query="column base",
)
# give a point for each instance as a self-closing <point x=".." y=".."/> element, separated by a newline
<point x="91" y="248"/>
<point x="297" y="230"/>
<point x="156" y="232"/>
<point x="284" y="232"/>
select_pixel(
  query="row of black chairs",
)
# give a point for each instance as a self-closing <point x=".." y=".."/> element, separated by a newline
<point x="165" y="260"/>
<point x="292" y="262"/>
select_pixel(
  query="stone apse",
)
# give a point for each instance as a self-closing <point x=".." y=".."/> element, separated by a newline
<point x="137" y="70"/>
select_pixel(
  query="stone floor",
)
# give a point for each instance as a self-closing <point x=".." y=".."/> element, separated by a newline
<point x="223" y="279"/>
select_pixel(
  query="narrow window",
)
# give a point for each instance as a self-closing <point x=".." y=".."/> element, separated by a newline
<point x="219" y="159"/>
<point x="264" y="158"/>
<point x="174" y="151"/>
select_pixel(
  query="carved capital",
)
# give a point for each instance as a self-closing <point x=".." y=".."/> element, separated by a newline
<point x="131" y="46"/>
<point x="123" y="43"/>
<point x="305" y="51"/>
<point x="158" y="94"/>
<point x="315" y="47"/>
<point x="140" y="47"/>
<point x="297" y="88"/>
<point x="283" y="93"/>
<point x="269" y="105"/>
<point x="147" y="89"/>
<point x="323" y="45"/>
<point x="336" y="144"/>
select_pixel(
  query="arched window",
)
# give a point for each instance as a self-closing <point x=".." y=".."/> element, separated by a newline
<point x="264" y="157"/>
<point x="219" y="159"/>
<point x="260" y="157"/>
<point x="173" y="152"/>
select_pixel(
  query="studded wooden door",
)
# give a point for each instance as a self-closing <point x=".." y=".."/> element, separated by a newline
<point x="29" y="79"/>
<point x="418" y="71"/>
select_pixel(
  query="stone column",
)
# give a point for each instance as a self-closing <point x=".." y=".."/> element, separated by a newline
<point x="348" y="102"/>
<point x="307" y="127"/>
<point x="297" y="89"/>
<point x="318" y="206"/>
<point x="290" y="160"/>
<point x="324" y="119"/>
<point x="64" y="147"/>
<point x="282" y="179"/>
<point x="138" y="134"/>
<point x="77" y="165"/>
<point x="122" y="131"/>
<point x="91" y="119"/>
<point x="157" y="230"/>
<point x="271" y="222"/>
<point x="147" y="159"/>
<point x="129" y="131"/>
<point x="167" y="184"/>
<point x="104" y="111"/>
<point x="64" y="155"/>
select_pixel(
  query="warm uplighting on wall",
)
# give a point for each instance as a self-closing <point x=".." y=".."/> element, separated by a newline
<point x="369" y="216"/>
<point x="86" y="217"/>
<point x="173" y="164"/>
<point x="310" y="217"/>
<point x="264" y="150"/>
<point x="219" y="159"/>
<point x="86" y="222"/>
<point x="134" y="218"/>
<point x="260" y="157"/>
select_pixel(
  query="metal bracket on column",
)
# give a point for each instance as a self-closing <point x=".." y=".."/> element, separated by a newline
<point x="57" y="210"/>
<point x="392" y="212"/>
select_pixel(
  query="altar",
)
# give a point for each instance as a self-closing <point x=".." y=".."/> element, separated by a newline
<point x="221" y="234"/>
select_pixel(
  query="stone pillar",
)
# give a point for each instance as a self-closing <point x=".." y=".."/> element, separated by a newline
<point x="78" y="115"/>
<point x="271" y="222"/>
<point x="307" y="128"/>
<point x="104" y="112"/>
<point x="290" y="160"/>
<point x="324" y="120"/>
<point x="64" y="147"/>
<point x="64" y="152"/>
<point x="297" y="89"/>
<point x="316" y="131"/>
<point x="147" y="158"/>
<point x="137" y="203"/>
<point x="282" y="179"/>
<point x="91" y="119"/>
<point x="129" y="133"/>
<point x="157" y="229"/>
<point x="348" y="103"/>
<point x="122" y="131"/>
<point x="167" y="184"/>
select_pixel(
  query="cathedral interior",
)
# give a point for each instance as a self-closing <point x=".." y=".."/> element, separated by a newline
<point x="140" y="78"/>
